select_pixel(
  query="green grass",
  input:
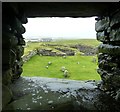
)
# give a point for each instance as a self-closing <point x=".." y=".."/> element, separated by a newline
<point x="33" y="45"/>
<point x="88" y="42"/>
<point x="85" y="70"/>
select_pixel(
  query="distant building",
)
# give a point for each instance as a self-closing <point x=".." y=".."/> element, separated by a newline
<point x="32" y="40"/>
<point x="46" y="39"/>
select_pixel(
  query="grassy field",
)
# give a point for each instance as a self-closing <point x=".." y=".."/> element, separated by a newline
<point x="88" y="42"/>
<point x="79" y="67"/>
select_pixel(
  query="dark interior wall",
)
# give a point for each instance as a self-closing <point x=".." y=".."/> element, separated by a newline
<point x="67" y="9"/>
<point x="107" y="28"/>
<point x="12" y="47"/>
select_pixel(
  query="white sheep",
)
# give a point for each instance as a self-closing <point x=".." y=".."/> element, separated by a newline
<point x="46" y="67"/>
<point x="49" y="63"/>
<point x="63" y="68"/>
<point x="66" y="73"/>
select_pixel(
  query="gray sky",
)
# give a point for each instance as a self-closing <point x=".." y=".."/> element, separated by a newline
<point x="60" y="28"/>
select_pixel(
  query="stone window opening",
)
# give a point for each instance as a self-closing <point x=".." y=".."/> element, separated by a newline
<point x="77" y="95"/>
<point x="57" y="46"/>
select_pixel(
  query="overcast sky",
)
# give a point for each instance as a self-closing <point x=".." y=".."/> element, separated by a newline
<point x="60" y="28"/>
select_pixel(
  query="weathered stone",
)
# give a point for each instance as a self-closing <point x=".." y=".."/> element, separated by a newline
<point x="7" y="76"/>
<point x="110" y="49"/>
<point x="57" y="94"/>
<point x="103" y="64"/>
<point x="111" y="79"/>
<point x="115" y="20"/>
<point x="17" y="25"/>
<point x="6" y="95"/>
<point x="9" y="57"/>
<point x="115" y="35"/>
<point x="86" y="50"/>
<point x="20" y="39"/>
<point x="28" y="56"/>
<point x="19" y="71"/>
<point x="102" y="25"/>
<point x="49" y="52"/>
<point x="66" y="50"/>
<point x="109" y="58"/>
<point x="20" y="51"/>
<point x="102" y="37"/>
<point x="23" y="18"/>
<point x="13" y="57"/>
<point x="117" y="97"/>
<point x="20" y="62"/>
<point x="9" y="40"/>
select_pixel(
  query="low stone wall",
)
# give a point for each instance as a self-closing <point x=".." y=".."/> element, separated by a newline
<point x="108" y="32"/>
<point x="67" y="51"/>
<point x="87" y="50"/>
<point x="27" y="57"/>
<point x="58" y="52"/>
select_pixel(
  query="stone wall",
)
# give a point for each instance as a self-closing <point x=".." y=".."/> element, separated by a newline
<point x="12" y="47"/>
<point x="27" y="57"/>
<point x="108" y="32"/>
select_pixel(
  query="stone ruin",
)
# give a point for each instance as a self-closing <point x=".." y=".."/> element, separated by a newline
<point x="22" y="93"/>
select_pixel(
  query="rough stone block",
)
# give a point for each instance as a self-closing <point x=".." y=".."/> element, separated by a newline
<point x="19" y="52"/>
<point x="115" y="20"/>
<point x="17" y="25"/>
<point x="105" y="65"/>
<point x="23" y="18"/>
<point x="9" y="40"/>
<point x="101" y="36"/>
<point x="115" y="35"/>
<point x="110" y="49"/>
<point x="105" y="76"/>
<point x="9" y="57"/>
<point x="6" y="76"/>
<point x="20" y="38"/>
<point x="13" y="57"/>
<point x="21" y="41"/>
<point x="102" y="25"/>
<point x="19" y="71"/>
<point x="19" y="63"/>
<point x="110" y="79"/>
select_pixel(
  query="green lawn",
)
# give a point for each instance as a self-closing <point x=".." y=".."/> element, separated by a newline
<point x="79" y="67"/>
<point x="88" y="42"/>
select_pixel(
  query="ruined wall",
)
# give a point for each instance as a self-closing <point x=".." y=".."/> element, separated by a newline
<point x="12" y="47"/>
<point x="108" y="32"/>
